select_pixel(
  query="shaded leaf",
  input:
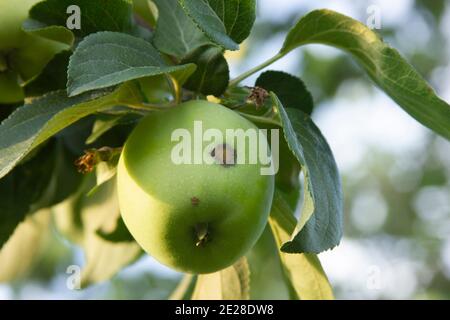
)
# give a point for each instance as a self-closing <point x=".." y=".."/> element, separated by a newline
<point x="22" y="188"/>
<point x="32" y="124"/>
<point x="238" y="16"/>
<point x="105" y="59"/>
<point x="303" y="272"/>
<point x="176" y="34"/>
<point x="106" y="122"/>
<point x="212" y="74"/>
<point x="54" y="33"/>
<point x="82" y="217"/>
<point x="287" y="179"/>
<point x="53" y="77"/>
<point x="384" y="65"/>
<point x="290" y="90"/>
<point x="320" y="226"/>
<point x="208" y="21"/>
<point x="64" y="179"/>
<point x="46" y="178"/>
<point x="119" y="234"/>
<point x="100" y="15"/>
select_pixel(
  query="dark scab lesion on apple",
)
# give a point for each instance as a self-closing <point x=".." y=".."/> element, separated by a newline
<point x="195" y="201"/>
<point x="224" y="155"/>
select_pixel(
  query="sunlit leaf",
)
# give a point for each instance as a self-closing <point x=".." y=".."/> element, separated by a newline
<point x="19" y="253"/>
<point x="303" y="272"/>
<point x="184" y="289"/>
<point x="232" y="283"/>
<point x="82" y="218"/>
<point x="208" y="21"/>
<point x="383" y="64"/>
<point x="106" y="59"/>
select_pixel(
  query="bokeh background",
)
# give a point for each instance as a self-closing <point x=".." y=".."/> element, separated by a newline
<point x="395" y="172"/>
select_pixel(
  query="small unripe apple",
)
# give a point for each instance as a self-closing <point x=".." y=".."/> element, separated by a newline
<point x="195" y="218"/>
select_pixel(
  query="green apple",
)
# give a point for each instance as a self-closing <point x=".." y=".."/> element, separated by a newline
<point x="10" y="90"/>
<point x="195" y="218"/>
<point x="22" y="55"/>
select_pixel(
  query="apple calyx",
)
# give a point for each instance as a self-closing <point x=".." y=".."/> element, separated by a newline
<point x="92" y="157"/>
<point x="202" y="233"/>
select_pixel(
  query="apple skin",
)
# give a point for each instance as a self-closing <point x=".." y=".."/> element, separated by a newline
<point x="164" y="204"/>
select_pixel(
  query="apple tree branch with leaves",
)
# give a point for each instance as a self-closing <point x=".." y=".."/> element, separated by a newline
<point x="84" y="112"/>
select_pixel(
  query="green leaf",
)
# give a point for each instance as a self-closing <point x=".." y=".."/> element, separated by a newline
<point x="384" y="65"/>
<point x="34" y="123"/>
<point x="105" y="59"/>
<point x="266" y="274"/>
<point x="232" y="283"/>
<point x="290" y="90"/>
<point x="304" y="272"/>
<point x="22" y="188"/>
<point x="23" y="248"/>
<point x="238" y="16"/>
<point x="43" y="180"/>
<point x="119" y="234"/>
<point x="95" y="15"/>
<point x="106" y="122"/>
<point x="212" y="74"/>
<point x="176" y="34"/>
<point x="54" y="33"/>
<point x="81" y="217"/>
<point x="287" y="179"/>
<point x="103" y="124"/>
<point x="64" y="178"/>
<point x="53" y="77"/>
<point x="208" y="21"/>
<point x="156" y="89"/>
<point x="320" y="226"/>
<point x="106" y="170"/>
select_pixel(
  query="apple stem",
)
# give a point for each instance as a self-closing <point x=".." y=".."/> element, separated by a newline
<point x="151" y="107"/>
<point x="250" y="72"/>
<point x="175" y="89"/>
